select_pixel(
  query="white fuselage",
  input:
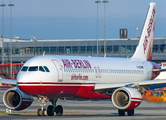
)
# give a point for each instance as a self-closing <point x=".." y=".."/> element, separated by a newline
<point x="83" y="69"/>
<point x="105" y="70"/>
<point x="86" y="70"/>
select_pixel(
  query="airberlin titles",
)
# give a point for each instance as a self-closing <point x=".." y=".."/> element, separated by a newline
<point x="75" y="63"/>
<point x="149" y="29"/>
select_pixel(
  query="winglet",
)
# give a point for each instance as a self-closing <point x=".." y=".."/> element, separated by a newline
<point x="145" y="46"/>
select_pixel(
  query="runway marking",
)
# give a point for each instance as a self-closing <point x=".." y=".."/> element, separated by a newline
<point x="76" y="113"/>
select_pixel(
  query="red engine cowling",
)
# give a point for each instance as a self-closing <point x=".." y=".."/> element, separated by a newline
<point x="14" y="99"/>
<point x="126" y="98"/>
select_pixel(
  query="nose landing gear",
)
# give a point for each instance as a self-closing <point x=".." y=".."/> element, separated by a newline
<point x="43" y="101"/>
<point x="40" y="112"/>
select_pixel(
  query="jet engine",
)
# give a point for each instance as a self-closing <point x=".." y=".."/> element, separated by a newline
<point x="126" y="98"/>
<point x="14" y="99"/>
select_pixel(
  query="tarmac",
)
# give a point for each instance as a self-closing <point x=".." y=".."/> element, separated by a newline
<point x="86" y="110"/>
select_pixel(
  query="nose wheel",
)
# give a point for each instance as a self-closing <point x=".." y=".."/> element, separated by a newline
<point x="42" y="111"/>
<point x="39" y="112"/>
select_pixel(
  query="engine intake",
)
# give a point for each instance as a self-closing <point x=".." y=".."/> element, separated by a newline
<point x="14" y="99"/>
<point x="126" y="98"/>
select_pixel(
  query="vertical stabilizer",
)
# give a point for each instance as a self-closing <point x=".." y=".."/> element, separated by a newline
<point x="145" y="46"/>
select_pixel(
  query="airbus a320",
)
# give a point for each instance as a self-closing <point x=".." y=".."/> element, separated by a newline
<point x="123" y="80"/>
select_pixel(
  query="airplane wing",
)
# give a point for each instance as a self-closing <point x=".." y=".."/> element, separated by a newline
<point x="8" y="81"/>
<point x="110" y="87"/>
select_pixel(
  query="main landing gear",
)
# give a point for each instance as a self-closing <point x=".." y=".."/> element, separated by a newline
<point x="53" y="108"/>
<point x="50" y="109"/>
<point x="58" y="109"/>
<point x="129" y="112"/>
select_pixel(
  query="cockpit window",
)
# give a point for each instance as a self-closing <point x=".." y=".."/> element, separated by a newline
<point x="46" y="69"/>
<point x="41" y="69"/>
<point x="25" y="68"/>
<point x="34" y="68"/>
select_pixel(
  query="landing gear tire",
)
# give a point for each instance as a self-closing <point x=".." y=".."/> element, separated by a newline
<point x="50" y="110"/>
<point x="39" y="112"/>
<point x="44" y="112"/>
<point x="121" y="112"/>
<point x="130" y="112"/>
<point x="59" y="110"/>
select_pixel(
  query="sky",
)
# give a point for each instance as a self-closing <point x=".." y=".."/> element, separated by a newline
<point x="77" y="19"/>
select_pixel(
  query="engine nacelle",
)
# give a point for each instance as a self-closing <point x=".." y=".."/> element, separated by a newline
<point x="14" y="99"/>
<point x="126" y="98"/>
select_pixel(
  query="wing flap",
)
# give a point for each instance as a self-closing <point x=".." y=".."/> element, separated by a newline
<point x="104" y="87"/>
<point x="109" y="87"/>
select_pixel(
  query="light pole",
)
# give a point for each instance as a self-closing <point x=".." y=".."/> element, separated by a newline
<point x="105" y="1"/>
<point x="137" y="32"/>
<point x="97" y="26"/>
<point x="11" y="38"/>
<point x="2" y="5"/>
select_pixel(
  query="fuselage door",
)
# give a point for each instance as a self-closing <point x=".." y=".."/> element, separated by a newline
<point x="59" y="69"/>
<point x="96" y="72"/>
<point x="99" y="72"/>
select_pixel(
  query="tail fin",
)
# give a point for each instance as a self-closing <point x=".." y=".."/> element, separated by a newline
<point x="145" y="46"/>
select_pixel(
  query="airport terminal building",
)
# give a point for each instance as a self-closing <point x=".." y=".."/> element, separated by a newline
<point x="25" y="49"/>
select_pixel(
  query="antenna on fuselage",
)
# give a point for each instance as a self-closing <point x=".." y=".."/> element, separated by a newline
<point x="43" y="53"/>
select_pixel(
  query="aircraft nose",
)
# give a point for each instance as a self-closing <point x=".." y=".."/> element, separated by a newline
<point x="22" y="81"/>
<point x="27" y="81"/>
<point x="21" y="78"/>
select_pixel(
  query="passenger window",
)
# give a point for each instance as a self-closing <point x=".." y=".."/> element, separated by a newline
<point x="46" y="69"/>
<point x="41" y="69"/>
<point x="34" y="68"/>
<point x="25" y="68"/>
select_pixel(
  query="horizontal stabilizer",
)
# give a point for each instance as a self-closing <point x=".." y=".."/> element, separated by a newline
<point x="159" y="70"/>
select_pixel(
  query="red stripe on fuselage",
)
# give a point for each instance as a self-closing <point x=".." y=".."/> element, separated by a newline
<point x="19" y="83"/>
<point x="78" y="90"/>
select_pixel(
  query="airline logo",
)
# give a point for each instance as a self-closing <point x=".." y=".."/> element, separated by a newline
<point x="75" y="63"/>
<point x="140" y="67"/>
<point x="149" y="29"/>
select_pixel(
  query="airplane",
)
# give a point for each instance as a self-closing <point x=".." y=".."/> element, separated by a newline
<point x="123" y="80"/>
